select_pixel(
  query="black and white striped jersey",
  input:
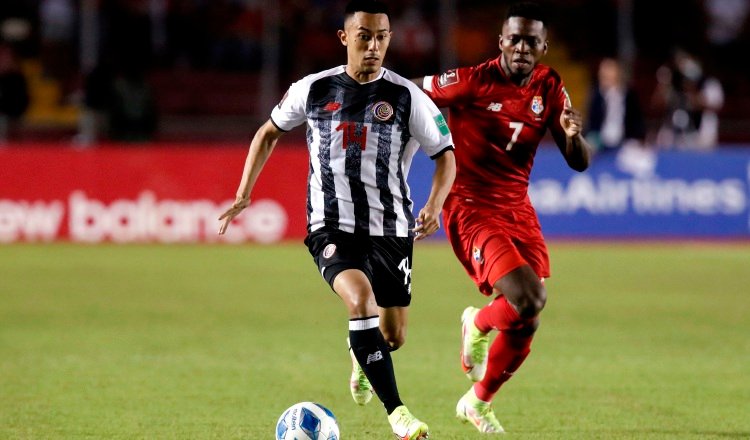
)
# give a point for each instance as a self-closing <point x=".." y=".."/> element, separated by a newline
<point x="361" y="139"/>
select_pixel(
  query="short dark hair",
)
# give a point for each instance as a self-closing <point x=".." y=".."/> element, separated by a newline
<point x="528" y="10"/>
<point x="369" y="6"/>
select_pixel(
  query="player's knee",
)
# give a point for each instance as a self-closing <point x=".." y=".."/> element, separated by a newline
<point x="528" y="328"/>
<point x="532" y="301"/>
<point x="395" y="339"/>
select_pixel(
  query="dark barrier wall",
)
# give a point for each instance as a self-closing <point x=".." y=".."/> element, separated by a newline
<point x="175" y="194"/>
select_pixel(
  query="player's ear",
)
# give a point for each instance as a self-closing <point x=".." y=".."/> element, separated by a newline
<point x="546" y="45"/>
<point x="342" y="36"/>
<point x="500" y="41"/>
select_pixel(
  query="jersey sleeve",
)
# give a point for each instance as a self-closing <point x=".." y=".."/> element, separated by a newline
<point x="559" y="100"/>
<point x="450" y="87"/>
<point x="290" y="111"/>
<point x="428" y="126"/>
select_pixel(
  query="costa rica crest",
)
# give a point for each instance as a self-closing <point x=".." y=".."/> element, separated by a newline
<point x="382" y="111"/>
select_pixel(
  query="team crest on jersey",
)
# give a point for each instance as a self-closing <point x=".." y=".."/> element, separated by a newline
<point x="329" y="250"/>
<point x="382" y="111"/>
<point x="448" y="78"/>
<point x="537" y="105"/>
<point x="476" y="253"/>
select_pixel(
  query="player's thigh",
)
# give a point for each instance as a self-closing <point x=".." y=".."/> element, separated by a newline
<point x="339" y="253"/>
<point x="391" y="261"/>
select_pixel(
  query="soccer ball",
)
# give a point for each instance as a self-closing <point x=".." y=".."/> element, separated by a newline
<point x="307" y="421"/>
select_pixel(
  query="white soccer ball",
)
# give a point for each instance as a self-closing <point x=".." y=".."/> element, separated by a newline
<point x="307" y="421"/>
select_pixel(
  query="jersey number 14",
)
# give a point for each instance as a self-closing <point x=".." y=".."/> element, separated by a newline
<point x="351" y="135"/>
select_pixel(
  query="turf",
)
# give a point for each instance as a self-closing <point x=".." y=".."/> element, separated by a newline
<point x="214" y="342"/>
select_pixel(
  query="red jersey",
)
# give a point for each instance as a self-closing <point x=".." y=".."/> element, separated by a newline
<point x="497" y="126"/>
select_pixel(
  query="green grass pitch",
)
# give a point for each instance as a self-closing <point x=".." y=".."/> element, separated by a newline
<point x="214" y="342"/>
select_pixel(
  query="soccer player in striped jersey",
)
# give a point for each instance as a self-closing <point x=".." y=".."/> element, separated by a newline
<point x="499" y="112"/>
<point x="364" y="125"/>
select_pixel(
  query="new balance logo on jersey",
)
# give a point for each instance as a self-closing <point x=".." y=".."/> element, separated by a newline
<point x="374" y="357"/>
<point x="495" y="107"/>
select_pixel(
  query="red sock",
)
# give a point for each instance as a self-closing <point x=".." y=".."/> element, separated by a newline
<point x="498" y="315"/>
<point x="507" y="353"/>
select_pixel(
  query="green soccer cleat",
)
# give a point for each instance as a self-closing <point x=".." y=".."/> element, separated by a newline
<point x="479" y="413"/>
<point x="474" y="346"/>
<point x="358" y="384"/>
<point x="407" y="427"/>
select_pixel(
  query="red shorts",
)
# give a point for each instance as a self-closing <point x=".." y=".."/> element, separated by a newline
<point x="491" y="242"/>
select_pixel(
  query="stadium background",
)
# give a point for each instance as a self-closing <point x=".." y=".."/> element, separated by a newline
<point x="645" y="334"/>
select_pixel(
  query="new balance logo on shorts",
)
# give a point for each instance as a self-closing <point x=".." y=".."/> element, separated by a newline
<point x="374" y="357"/>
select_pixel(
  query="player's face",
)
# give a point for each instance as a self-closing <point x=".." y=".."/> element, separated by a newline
<point x="523" y="42"/>
<point x="366" y="37"/>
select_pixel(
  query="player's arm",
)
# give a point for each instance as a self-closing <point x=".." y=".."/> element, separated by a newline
<point x="428" y="219"/>
<point x="260" y="149"/>
<point x="447" y="89"/>
<point x="568" y="135"/>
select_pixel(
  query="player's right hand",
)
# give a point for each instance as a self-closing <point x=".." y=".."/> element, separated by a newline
<point x="239" y="204"/>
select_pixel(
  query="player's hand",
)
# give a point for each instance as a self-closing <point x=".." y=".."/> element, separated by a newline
<point x="239" y="204"/>
<point x="428" y="222"/>
<point x="571" y="121"/>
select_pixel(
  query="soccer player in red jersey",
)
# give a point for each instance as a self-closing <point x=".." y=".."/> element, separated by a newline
<point x="499" y="111"/>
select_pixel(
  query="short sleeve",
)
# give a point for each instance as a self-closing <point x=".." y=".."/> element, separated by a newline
<point x="428" y="126"/>
<point x="290" y="111"/>
<point x="560" y="100"/>
<point x="450" y="87"/>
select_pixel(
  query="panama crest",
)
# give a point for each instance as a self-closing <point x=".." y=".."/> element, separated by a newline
<point x="537" y="105"/>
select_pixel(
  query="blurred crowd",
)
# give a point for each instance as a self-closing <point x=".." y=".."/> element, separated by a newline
<point x="678" y="86"/>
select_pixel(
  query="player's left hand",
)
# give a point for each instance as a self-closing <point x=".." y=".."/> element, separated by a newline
<point x="428" y="222"/>
<point x="571" y="121"/>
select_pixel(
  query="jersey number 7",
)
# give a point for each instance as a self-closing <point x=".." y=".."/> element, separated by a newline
<point x="517" y="127"/>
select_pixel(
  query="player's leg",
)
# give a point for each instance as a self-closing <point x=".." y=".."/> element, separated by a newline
<point x="391" y="259"/>
<point x="367" y="345"/>
<point x="520" y="296"/>
<point x="506" y="353"/>
<point x="515" y="313"/>
<point x="393" y="324"/>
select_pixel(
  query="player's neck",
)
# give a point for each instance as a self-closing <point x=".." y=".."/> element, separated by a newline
<point x="519" y="80"/>
<point x="363" y="77"/>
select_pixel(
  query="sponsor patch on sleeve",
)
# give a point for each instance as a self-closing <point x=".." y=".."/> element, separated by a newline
<point x="442" y="125"/>
<point x="448" y="78"/>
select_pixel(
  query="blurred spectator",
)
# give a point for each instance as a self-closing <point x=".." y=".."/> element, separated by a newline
<point x="726" y="22"/>
<point x="14" y="94"/>
<point x="415" y="47"/>
<point x="132" y="115"/>
<point x="690" y="101"/>
<point x="58" y="36"/>
<point x="119" y="105"/>
<point x="615" y="117"/>
<point x="239" y="45"/>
